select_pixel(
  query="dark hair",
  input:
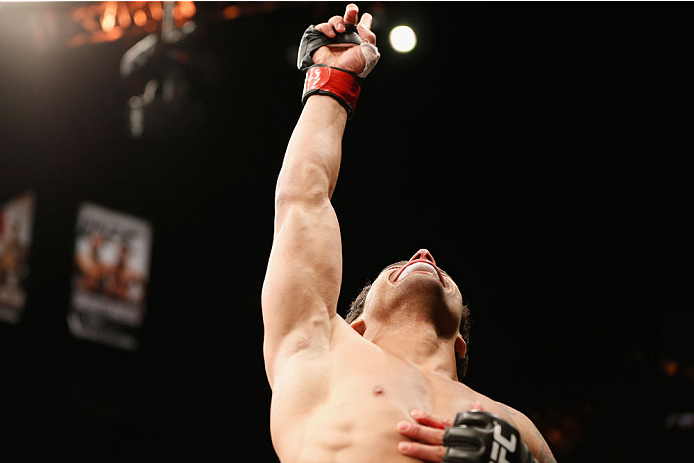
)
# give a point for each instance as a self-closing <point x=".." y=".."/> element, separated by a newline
<point x="357" y="307"/>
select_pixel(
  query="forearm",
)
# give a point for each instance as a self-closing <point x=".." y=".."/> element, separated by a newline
<point x="312" y="160"/>
<point x="303" y="278"/>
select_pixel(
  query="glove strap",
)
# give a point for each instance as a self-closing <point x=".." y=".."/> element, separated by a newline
<point x="342" y="85"/>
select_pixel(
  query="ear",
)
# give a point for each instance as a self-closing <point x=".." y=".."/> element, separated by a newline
<point x="359" y="326"/>
<point x="460" y="346"/>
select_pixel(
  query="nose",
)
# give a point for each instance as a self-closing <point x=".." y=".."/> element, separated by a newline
<point x="423" y="254"/>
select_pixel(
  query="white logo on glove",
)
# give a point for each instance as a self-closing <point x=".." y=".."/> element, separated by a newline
<point x="506" y="446"/>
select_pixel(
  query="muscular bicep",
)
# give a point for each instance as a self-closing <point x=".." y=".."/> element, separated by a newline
<point x="303" y="278"/>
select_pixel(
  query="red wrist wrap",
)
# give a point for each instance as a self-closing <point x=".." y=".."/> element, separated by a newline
<point x="341" y="85"/>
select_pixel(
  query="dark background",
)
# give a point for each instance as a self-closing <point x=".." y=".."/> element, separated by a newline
<point x="538" y="150"/>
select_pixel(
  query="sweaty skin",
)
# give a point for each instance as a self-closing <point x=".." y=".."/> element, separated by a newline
<point x="339" y="390"/>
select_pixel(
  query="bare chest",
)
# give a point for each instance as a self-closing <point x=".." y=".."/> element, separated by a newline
<point x="345" y="406"/>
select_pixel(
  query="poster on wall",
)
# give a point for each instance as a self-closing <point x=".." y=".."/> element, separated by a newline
<point x="16" y="221"/>
<point x="110" y="277"/>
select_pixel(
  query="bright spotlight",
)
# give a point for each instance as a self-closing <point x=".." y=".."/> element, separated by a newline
<point x="403" y="39"/>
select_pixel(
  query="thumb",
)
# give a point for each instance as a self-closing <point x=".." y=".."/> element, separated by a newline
<point x="366" y="20"/>
<point x="366" y="33"/>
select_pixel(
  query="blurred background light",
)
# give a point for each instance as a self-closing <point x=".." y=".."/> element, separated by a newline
<point x="108" y="21"/>
<point x="403" y="39"/>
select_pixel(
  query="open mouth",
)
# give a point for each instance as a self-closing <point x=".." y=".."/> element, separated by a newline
<point x="419" y="267"/>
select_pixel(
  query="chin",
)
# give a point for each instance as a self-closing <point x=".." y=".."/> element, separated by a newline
<point x="423" y="287"/>
<point x="418" y="293"/>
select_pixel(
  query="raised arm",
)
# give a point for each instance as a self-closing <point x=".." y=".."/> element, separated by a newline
<point x="304" y="273"/>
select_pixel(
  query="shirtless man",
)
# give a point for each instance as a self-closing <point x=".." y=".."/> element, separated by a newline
<point x="342" y="392"/>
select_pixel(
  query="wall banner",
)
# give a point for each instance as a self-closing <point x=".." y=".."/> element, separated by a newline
<point x="16" y="221"/>
<point x="110" y="278"/>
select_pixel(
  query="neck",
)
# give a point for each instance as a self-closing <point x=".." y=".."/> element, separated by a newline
<point x="418" y="343"/>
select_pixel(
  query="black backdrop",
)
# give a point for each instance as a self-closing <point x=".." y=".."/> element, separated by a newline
<point x="538" y="150"/>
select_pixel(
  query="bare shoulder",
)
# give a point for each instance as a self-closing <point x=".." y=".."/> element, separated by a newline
<point x="527" y="429"/>
<point x="530" y="434"/>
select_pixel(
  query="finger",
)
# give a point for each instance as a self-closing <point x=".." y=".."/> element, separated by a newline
<point x="366" y="20"/>
<point x="366" y="34"/>
<point x="424" y="434"/>
<point x="478" y="406"/>
<point x="424" y="452"/>
<point x="351" y="13"/>
<point x="428" y="419"/>
<point x="338" y="23"/>
<point x="327" y="29"/>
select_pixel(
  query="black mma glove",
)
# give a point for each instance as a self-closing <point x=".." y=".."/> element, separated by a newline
<point x="340" y="84"/>
<point x="482" y="437"/>
<point x="313" y="39"/>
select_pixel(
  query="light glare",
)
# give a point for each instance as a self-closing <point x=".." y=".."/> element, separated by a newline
<point x="403" y="39"/>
